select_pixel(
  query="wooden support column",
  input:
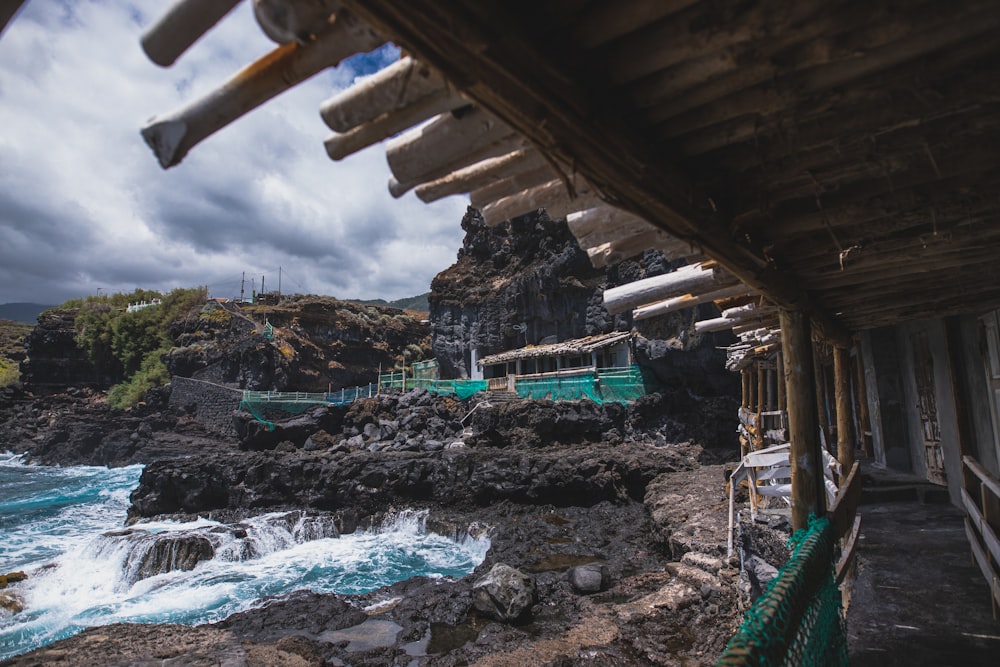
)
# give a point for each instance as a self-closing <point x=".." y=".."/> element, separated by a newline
<point x="771" y="382"/>
<point x="752" y="403"/>
<point x="862" y="396"/>
<point x="808" y="495"/>
<point x="781" y="380"/>
<point x="761" y="403"/>
<point x="745" y="394"/>
<point x="821" y="402"/>
<point x="842" y="378"/>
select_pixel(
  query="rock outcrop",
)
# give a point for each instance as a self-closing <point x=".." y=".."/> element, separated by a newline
<point x="527" y="282"/>
<point x="55" y="361"/>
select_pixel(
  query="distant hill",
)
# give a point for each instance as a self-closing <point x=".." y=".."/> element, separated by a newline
<point x="23" y="312"/>
<point x="418" y="303"/>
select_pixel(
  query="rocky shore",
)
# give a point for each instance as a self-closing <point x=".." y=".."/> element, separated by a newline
<point x="607" y="528"/>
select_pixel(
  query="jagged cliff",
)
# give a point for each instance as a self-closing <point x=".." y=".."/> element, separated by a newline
<point x="526" y="281"/>
<point x="317" y="342"/>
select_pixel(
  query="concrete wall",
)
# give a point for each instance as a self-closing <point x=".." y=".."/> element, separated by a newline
<point x="970" y="370"/>
<point x="212" y="405"/>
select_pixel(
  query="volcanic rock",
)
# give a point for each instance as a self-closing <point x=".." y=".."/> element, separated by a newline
<point x="505" y="593"/>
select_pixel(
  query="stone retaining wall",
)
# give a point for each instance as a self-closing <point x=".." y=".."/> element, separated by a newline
<point x="212" y="405"/>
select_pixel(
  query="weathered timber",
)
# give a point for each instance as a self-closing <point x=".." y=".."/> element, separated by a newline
<point x="842" y="379"/>
<point x="391" y="89"/>
<point x="183" y="24"/>
<point x="511" y="185"/>
<point x="503" y="146"/>
<point x="552" y="196"/>
<point x="480" y="174"/>
<point x="424" y="153"/>
<point x="340" y="145"/>
<point x="691" y="279"/>
<point x="171" y="136"/>
<point x="808" y="494"/>
<point x="687" y="301"/>
<point x="286" y="21"/>
<point x="605" y="21"/>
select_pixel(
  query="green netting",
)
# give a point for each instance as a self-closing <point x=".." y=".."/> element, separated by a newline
<point x="556" y="388"/>
<point x="798" y="621"/>
<point x="620" y="385"/>
<point x="462" y="389"/>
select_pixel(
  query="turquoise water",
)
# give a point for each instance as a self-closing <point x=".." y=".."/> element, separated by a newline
<point x="54" y="521"/>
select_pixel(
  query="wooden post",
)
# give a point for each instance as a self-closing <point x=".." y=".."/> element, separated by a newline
<point x="808" y="496"/>
<point x="769" y="405"/>
<point x="745" y="393"/>
<point x="819" y="377"/>
<point x="842" y="378"/>
<point x="780" y="361"/>
<point x="752" y="403"/>
<point x="862" y="393"/>
<point x="761" y="400"/>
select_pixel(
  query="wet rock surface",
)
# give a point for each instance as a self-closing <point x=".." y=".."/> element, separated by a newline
<point x="569" y="493"/>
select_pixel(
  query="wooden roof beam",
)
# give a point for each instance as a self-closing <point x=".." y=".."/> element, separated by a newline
<point x="487" y="51"/>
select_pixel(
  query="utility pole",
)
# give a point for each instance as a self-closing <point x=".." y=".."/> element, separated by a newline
<point x="279" y="282"/>
<point x="262" y="284"/>
<point x="243" y="282"/>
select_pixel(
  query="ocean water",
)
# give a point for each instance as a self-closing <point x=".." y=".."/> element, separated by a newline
<point x="64" y="528"/>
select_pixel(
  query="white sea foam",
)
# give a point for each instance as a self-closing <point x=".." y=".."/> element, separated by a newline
<point x="80" y="574"/>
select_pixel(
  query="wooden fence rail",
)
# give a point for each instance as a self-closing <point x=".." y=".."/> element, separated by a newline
<point x="981" y="497"/>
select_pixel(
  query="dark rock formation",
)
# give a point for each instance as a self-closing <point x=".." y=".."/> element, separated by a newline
<point x="318" y="342"/>
<point x="526" y="281"/>
<point x="55" y="362"/>
<point x="80" y="428"/>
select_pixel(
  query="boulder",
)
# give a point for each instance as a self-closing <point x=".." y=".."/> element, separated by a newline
<point x="505" y="593"/>
<point x="589" y="578"/>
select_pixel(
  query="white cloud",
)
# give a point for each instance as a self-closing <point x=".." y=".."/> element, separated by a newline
<point x="84" y="204"/>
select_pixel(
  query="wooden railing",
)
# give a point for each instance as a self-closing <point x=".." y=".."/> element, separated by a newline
<point x="497" y="384"/>
<point x="981" y="497"/>
<point x="846" y="521"/>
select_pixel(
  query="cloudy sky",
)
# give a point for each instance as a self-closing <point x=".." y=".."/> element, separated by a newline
<point x="84" y="205"/>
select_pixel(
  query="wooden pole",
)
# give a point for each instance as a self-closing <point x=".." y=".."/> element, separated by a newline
<point x="761" y="400"/>
<point x="819" y="376"/>
<point x="862" y="392"/>
<point x="842" y="378"/>
<point x="745" y="394"/>
<point x="780" y="360"/>
<point x="808" y="495"/>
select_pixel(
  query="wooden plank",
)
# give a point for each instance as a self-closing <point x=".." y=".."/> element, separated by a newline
<point x="982" y="560"/>
<point x="174" y="32"/>
<point x="847" y="553"/>
<point x="845" y="504"/>
<point x="691" y="279"/>
<point x="172" y="135"/>
<point x="983" y="474"/>
<point x="392" y="88"/>
<point x="480" y="174"/>
<point x="688" y="301"/>
<point x="989" y="538"/>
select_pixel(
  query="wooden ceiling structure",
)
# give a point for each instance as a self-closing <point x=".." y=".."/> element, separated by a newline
<point x="839" y="157"/>
<point x="834" y="158"/>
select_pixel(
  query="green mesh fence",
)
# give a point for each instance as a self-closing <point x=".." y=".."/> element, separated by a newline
<point x="462" y="389"/>
<point x="559" y="388"/>
<point x="620" y="385"/>
<point x="798" y="621"/>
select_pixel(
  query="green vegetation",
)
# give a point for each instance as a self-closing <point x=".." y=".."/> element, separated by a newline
<point x="12" y="335"/>
<point x="133" y="344"/>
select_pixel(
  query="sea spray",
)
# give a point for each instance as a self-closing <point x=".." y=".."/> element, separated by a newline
<point x="64" y="527"/>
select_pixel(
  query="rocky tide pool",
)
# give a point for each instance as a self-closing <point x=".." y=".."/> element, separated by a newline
<point x="64" y="528"/>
